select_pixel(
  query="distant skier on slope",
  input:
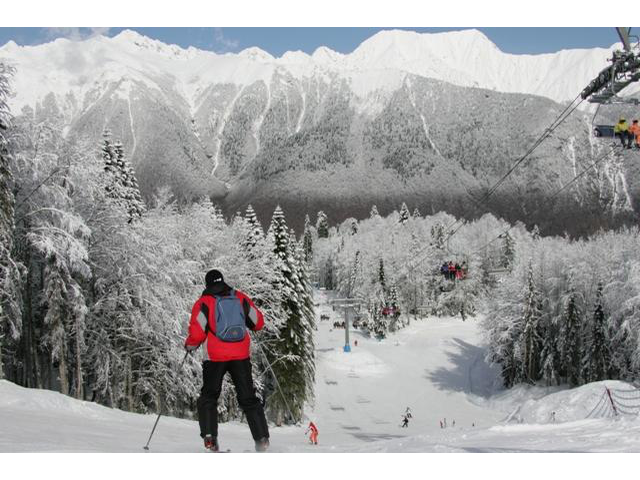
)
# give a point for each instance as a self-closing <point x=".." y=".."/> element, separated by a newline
<point x="313" y="438"/>
<point x="219" y="319"/>
<point x="407" y="412"/>
<point x="405" y="421"/>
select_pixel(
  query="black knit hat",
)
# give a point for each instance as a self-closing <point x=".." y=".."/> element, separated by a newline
<point x="213" y="277"/>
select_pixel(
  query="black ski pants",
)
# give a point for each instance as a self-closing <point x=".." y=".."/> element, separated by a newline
<point x="626" y="137"/>
<point x="213" y="374"/>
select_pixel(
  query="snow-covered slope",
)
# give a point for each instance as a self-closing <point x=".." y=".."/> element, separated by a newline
<point x="435" y="367"/>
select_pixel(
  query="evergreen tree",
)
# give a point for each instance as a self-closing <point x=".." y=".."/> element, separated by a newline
<point x="438" y="236"/>
<point x="396" y="323"/>
<point x="354" y="227"/>
<point x="508" y="251"/>
<point x="393" y="297"/>
<point x="353" y="277"/>
<point x="322" y="225"/>
<point x="416" y="213"/>
<point x="549" y="356"/>
<point x="598" y="356"/>
<point x="381" y="275"/>
<point x="404" y="214"/>
<point x="531" y="342"/>
<point x="570" y="341"/>
<point x="380" y="322"/>
<point x="124" y="185"/>
<point x="374" y="212"/>
<point x="254" y="233"/>
<point x="307" y="240"/>
<point x="290" y="349"/>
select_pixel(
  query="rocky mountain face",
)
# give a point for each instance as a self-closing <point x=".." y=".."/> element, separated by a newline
<point x="431" y="120"/>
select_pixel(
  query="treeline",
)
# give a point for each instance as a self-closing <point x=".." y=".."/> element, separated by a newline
<point x="569" y="312"/>
<point x="392" y="264"/>
<point x="97" y="287"/>
<point x="554" y="310"/>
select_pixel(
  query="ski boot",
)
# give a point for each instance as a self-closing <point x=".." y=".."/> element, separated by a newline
<point x="211" y="443"/>
<point x="262" y="445"/>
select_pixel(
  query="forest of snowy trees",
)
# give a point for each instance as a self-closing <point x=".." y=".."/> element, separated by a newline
<point x="555" y="310"/>
<point x="97" y="286"/>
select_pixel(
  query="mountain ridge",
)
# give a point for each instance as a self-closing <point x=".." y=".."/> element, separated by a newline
<point x="340" y="131"/>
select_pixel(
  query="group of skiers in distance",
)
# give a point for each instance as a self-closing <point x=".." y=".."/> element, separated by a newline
<point x="405" y="418"/>
<point x="627" y="133"/>
<point x="454" y="271"/>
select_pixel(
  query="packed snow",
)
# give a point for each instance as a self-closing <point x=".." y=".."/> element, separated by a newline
<point x="435" y="367"/>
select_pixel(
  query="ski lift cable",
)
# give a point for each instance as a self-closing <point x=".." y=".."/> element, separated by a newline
<point x="554" y="195"/>
<point x="545" y="134"/>
<point x="568" y="110"/>
<point x="559" y="120"/>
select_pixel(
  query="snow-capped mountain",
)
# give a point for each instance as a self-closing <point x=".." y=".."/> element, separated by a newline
<point x="426" y="118"/>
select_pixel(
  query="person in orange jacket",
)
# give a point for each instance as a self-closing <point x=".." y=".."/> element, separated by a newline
<point x="313" y="438"/>
<point x="634" y="129"/>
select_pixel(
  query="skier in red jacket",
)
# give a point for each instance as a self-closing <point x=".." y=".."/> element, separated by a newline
<point x="226" y="351"/>
<point x="313" y="438"/>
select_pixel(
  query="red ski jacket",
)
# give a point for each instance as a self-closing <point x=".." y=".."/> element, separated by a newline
<point x="215" y="349"/>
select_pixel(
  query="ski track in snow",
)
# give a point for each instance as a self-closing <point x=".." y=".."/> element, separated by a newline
<point x="434" y="366"/>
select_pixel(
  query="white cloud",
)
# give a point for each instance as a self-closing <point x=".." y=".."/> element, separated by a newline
<point x="227" y="44"/>
<point x="76" y="33"/>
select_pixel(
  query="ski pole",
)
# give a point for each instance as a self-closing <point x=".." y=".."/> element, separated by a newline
<point x="146" y="447"/>
<point x="275" y="378"/>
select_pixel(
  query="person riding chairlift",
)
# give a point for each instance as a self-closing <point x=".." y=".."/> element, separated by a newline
<point x="634" y="130"/>
<point x="622" y="130"/>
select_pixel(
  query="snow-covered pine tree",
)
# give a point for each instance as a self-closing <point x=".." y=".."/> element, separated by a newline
<point x="438" y="236"/>
<point x="354" y="227"/>
<point x="322" y="225"/>
<point x="124" y="185"/>
<point x="570" y="341"/>
<point x="307" y="240"/>
<point x="308" y="318"/>
<point x="10" y="307"/>
<point x="380" y="322"/>
<point x="597" y="355"/>
<point x="531" y="343"/>
<point x="353" y="277"/>
<point x="381" y="276"/>
<point x="508" y="251"/>
<point x="396" y="323"/>
<point x="289" y="348"/>
<point x="416" y="213"/>
<point x="374" y="212"/>
<point x="255" y="233"/>
<point x="404" y="214"/>
<point x="549" y="356"/>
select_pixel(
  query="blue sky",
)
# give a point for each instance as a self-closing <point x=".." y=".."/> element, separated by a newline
<point x="278" y="40"/>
